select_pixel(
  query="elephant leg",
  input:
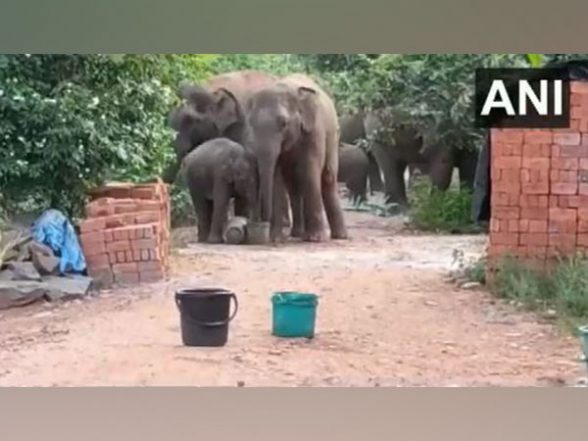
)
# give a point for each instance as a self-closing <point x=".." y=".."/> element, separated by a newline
<point x="330" y="190"/>
<point x="467" y="165"/>
<point x="375" y="177"/>
<point x="393" y="170"/>
<point x="398" y="186"/>
<point x="280" y="222"/>
<point x="312" y="201"/>
<point x="292" y="182"/>
<point x="221" y="199"/>
<point x="203" y="208"/>
<point x="441" y="174"/>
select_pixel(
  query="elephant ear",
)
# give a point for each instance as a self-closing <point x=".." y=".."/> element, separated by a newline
<point x="180" y="118"/>
<point x="307" y="97"/>
<point x="228" y="111"/>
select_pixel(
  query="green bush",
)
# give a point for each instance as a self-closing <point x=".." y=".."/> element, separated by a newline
<point x="70" y="122"/>
<point x="440" y="211"/>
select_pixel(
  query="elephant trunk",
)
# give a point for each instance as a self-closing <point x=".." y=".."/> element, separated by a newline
<point x="267" y="167"/>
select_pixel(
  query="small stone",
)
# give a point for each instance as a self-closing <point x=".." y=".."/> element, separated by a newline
<point x="470" y="285"/>
<point x="431" y="303"/>
<point x="275" y="352"/>
<point x="240" y="383"/>
<point x="550" y="314"/>
<point x="238" y="359"/>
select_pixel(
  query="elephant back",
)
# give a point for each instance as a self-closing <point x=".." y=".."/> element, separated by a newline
<point x="242" y="84"/>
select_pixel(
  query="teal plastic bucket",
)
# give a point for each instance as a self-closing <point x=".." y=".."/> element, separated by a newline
<point x="583" y="330"/>
<point x="294" y="314"/>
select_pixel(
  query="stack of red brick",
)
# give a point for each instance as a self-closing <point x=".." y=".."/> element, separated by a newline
<point x="125" y="236"/>
<point x="540" y="188"/>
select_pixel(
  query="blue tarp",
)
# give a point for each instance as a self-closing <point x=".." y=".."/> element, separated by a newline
<point x="54" y="230"/>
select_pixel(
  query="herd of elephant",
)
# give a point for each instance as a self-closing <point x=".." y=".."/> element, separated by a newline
<point x="276" y="148"/>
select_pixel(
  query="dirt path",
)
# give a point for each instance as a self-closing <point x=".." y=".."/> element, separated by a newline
<point x="387" y="317"/>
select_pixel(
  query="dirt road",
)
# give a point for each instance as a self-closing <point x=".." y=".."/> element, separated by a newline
<point x="387" y="317"/>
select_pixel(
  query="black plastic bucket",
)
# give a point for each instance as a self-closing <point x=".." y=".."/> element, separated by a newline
<point x="205" y="315"/>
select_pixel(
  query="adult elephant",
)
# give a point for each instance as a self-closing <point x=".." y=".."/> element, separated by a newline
<point x="399" y="146"/>
<point x="211" y="110"/>
<point x="295" y="132"/>
<point x="215" y="109"/>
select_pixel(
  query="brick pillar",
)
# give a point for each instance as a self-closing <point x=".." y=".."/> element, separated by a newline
<point x="540" y="188"/>
<point x="125" y="236"/>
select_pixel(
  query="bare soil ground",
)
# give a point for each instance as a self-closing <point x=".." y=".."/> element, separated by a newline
<point x="387" y="317"/>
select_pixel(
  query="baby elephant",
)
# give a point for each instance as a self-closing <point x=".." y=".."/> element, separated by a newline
<point x="217" y="171"/>
<point x="354" y="168"/>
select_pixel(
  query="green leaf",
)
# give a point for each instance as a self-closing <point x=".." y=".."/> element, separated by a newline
<point x="535" y="60"/>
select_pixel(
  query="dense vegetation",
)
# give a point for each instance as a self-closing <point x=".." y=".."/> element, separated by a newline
<point x="71" y="121"/>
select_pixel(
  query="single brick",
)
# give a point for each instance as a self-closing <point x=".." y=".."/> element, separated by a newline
<point x="506" y="149"/>
<point x="576" y="112"/>
<point x="504" y="239"/>
<point x="117" y="221"/>
<point x="145" y="192"/>
<point x="508" y="136"/>
<point x="538" y="137"/>
<point x="583" y="163"/>
<point x="494" y="225"/>
<point x="536" y="151"/>
<point x="535" y="239"/>
<point x="128" y="267"/>
<point x="148" y="217"/>
<point x="513" y="162"/>
<point x="566" y="201"/>
<point x="121" y="257"/>
<point x="582" y="239"/>
<point x="513" y="226"/>
<point x="140" y="244"/>
<point x="125" y="208"/>
<point x="583" y="189"/>
<point x="562" y="220"/>
<point x="506" y="213"/>
<point x="154" y="254"/>
<point x="98" y="209"/>
<point x="509" y="175"/>
<point x="567" y="138"/>
<point x="578" y="87"/>
<point x="533" y="200"/>
<point x="564" y="188"/>
<point x="576" y="125"/>
<point x="536" y="226"/>
<point x="136" y="255"/>
<point x="150" y="266"/>
<point x="536" y="187"/>
<point x="122" y="245"/>
<point x="108" y="236"/>
<point x="564" y="163"/>
<point x="506" y="187"/>
<point x="582" y="225"/>
<point x="535" y="163"/>
<point x="90" y="225"/>
<point x="532" y="213"/>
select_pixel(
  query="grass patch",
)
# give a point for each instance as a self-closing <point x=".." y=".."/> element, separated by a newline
<point x="564" y="289"/>
<point x="441" y="211"/>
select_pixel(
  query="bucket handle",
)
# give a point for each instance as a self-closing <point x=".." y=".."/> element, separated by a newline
<point x="220" y="322"/>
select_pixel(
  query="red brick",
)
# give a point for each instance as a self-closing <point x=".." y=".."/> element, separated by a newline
<point x="145" y="192"/>
<point x="140" y="244"/>
<point x="576" y="112"/>
<point x="509" y="175"/>
<point x="536" y="150"/>
<point x="122" y="245"/>
<point x="580" y="151"/>
<point x="535" y="239"/>
<point x="564" y="163"/>
<point x="562" y="220"/>
<point x="121" y="256"/>
<point x="565" y="201"/>
<point x="578" y="87"/>
<point x="534" y="213"/>
<point x="96" y="261"/>
<point x="537" y="226"/>
<point x="108" y="236"/>
<point x="509" y="136"/>
<point x="583" y="163"/>
<point x="582" y="225"/>
<point x="119" y="220"/>
<point x="513" y="226"/>
<point x="575" y="99"/>
<point x="147" y="217"/>
<point x="576" y="125"/>
<point x="495" y="225"/>
<point x="154" y="254"/>
<point x="98" y="209"/>
<point x="536" y="187"/>
<point x="122" y="208"/>
<point x="506" y="187"/>
<point x="535" y="163"/>
<point x="564" y="188"/>
<point x="506" y="149"/>
<point x="567" y="138"/>
<point x="504" y="239"/>
<point x="129" y="256"/>
<point x="583" y="189"/>
<point x="149" y="266"/>
<point x="538" y="137"/>
<point x="136" y="255"/>
<point x="127" y="278"/>
<point x="503" y="199"/>
<point x="90" y="225"/>
<point x="533" y="200"/>
<point x="563" y="243"/>
<point x="507" y="162"/>
<point x="582" y="240"/>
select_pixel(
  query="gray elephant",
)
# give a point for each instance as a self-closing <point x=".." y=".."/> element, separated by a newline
<point x="399" y="146"/>
<point x="354" y="166"/>
<point x="213" y="109"/>
<point x="215" y="173"/>
<point x="295" y="131"/>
